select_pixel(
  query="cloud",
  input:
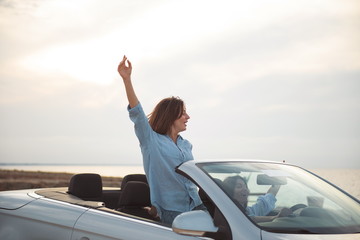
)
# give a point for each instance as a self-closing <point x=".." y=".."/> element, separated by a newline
<point x="262" y="80"/>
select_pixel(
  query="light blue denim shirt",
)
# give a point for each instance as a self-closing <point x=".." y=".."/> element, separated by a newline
<point x="264" y="205"/>
<point x="161" y="155"/>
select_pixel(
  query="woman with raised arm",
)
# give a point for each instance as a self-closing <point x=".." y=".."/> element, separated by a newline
<point x="163" y="149"/>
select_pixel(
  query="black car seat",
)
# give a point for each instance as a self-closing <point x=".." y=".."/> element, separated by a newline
<point x="134" y="199"/>
<point x="87" y="186"/>
<point x="133" y="177"/>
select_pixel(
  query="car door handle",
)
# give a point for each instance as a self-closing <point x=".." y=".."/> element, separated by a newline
<point x="84" y="238"/>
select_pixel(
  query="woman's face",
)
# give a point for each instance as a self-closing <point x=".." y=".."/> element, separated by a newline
<point x="241" y="192"/>
<point x="180" y="124"/>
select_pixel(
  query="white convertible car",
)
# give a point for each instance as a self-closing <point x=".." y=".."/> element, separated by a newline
<point x="306" y="207"/>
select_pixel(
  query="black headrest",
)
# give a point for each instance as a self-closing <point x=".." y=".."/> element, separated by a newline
<point x="133" y="177"/>
<point x="87" y="186"/>
<point x="135" y="194"/>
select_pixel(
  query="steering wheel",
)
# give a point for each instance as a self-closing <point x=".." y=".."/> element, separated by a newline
<point x="293" y="208"/>
<point x="297" y="206"/>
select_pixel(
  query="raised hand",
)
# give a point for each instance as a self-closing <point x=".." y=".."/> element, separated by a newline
<point x="125" y="71"/>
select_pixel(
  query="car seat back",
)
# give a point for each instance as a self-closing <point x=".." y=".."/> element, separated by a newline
<point x="87" y="186"/>
<point x="134" y="199"/>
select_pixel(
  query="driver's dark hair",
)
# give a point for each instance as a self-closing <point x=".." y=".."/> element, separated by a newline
<point x="229" y="184"/>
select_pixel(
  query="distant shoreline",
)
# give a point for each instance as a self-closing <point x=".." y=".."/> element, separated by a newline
<point x="67" y="164"/>
<point x="103" y="170"/>
<point x="20" y="179"/>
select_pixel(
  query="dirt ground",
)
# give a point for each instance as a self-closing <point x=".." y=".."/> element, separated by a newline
<point x="15" y="180"/>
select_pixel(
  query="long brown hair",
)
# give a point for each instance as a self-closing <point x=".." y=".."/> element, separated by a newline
<point x="229" y="185"/>
<point x="165" y="113"/>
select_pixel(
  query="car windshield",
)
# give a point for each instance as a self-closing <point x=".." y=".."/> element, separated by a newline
<point x="284" y="198"/>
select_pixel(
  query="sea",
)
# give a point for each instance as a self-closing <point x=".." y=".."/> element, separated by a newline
<point x="103" y="170"/>
<point x="347" y="179"/>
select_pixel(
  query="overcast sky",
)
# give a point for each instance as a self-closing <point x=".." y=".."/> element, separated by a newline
<point x="277" y="80"/>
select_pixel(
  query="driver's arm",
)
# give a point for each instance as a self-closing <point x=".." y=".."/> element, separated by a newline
<point x="283" y="213"/>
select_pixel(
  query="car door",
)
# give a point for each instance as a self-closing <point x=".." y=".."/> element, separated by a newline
<point x="106" y="225"/>
<point x="44" y="219"/>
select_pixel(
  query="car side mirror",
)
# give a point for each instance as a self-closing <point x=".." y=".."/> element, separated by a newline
<point x="194" y="223"/>
<point x="263" y="179"/>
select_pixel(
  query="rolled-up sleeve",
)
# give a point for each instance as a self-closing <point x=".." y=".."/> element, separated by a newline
<point x="143" y="130"/>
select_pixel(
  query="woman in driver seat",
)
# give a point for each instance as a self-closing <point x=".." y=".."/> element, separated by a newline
<point x="238" y="190"/>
